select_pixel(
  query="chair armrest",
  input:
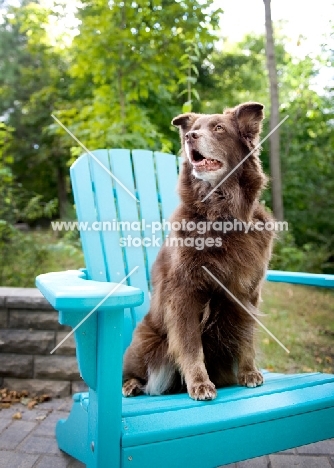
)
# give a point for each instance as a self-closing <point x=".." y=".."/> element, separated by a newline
<point x="310" y="279"/>
<point x="69" y="290"/>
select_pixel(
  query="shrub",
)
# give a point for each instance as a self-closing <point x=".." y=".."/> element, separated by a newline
<point x="21" y="257"/>
<point x="310" y="257"/>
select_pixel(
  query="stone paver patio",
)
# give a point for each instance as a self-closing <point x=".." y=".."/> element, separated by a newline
<point x="30" y="443"/>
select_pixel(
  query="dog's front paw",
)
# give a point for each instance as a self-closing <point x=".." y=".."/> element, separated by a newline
<point x="250" y="379"/>
<point x="202" y="391"/>
<point x="132" y="387"/>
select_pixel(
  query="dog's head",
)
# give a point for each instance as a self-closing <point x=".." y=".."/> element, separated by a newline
<point x="214" y="144"/>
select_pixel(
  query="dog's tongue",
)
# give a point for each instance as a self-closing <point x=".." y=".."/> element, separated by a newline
<point x="207" y="165"/>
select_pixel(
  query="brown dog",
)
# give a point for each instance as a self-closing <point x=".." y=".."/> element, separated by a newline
<point x="195" y="335"/>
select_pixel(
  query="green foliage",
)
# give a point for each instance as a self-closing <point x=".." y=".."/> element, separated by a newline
<point x="287" y="256"/>
<point x="33" y="81"/>
<point x="131" y="68"/>
<point x="17" y="203"/>
<point x="188" y="64"/>
<point x="129" y="96"/>
<point x="24" y="255"/>
<point x="307" y="168"/>
<point x="21" y="258"/>
<point x="236" y="74"/>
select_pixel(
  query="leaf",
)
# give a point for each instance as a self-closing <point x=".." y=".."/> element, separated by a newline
<point x="42" y="398"/>
<point x="195" y="69"/>
<point x="32" y="404"/>
<point x="17" y="415"/>
<point x="24" y="401"/>
<point x="40" y="418"/>
<point x="195" y="93"/>
<point x="187" y="107"/>
<point x="183" y="79"/>
<point x="6" y="399"/>
<point x="4" y="405"/>
<point x="196" y="50"/>
<point x="191" y="79"/>
<point x="182" y="92"/>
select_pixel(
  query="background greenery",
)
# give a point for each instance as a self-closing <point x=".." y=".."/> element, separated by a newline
<point x="118" y="83"/>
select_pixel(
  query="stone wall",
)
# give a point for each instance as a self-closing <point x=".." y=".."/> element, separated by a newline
<point x="29" y="330"/>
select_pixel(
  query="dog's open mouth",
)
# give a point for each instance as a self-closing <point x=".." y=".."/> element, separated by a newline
<point x="201" y="163"/>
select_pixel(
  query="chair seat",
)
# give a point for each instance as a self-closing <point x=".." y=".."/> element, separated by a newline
<point x="271" y="415"/>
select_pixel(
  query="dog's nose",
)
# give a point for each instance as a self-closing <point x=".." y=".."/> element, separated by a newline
<point x="193" y="135"/>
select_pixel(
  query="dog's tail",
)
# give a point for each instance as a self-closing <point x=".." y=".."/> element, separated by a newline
<point x="163" y="379"/>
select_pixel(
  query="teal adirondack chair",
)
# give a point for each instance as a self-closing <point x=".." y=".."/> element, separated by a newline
<point x="106" y="430"/>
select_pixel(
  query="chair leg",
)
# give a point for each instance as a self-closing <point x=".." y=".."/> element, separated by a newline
<point x="71" y="433"/>
<point x="105" y="405"/>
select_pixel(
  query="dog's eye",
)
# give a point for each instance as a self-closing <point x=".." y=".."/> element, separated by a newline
<point x="219" y="127"/>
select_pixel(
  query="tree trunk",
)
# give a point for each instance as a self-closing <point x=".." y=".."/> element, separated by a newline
<point x="120" y="73"/>
<point x="274" y="139"/>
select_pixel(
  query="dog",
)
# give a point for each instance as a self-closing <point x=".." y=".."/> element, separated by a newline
<point x="198" y="335"/>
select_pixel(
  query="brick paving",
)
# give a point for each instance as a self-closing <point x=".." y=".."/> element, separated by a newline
<point x="31" y="443"/>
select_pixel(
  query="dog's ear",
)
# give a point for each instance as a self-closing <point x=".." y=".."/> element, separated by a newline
<point x="249" y="118"/>
<point x="185" y="121"/>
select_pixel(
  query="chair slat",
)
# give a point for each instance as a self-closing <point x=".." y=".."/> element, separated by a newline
<point x="85" y="207"/>
<point x="121" y="167"/>
<point x="166" y="165"/>
<point x="243" y="441"/>
<point x="149" y="206"/>
<point x="107" y="212"/>
<point x="106" y="208"/>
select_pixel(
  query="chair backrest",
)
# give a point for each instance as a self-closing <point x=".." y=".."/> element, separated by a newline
<point x="118" y="194"/>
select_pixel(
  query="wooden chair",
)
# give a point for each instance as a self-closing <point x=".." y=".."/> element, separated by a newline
<point x="106" y="430"/>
